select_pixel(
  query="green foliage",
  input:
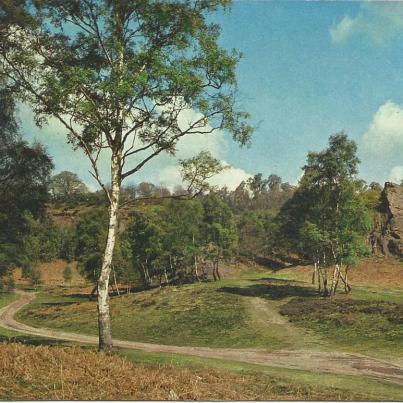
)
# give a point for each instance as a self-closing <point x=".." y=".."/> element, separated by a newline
<point x="328" y="218"/>
<point x="67" y="187"/>
<point x="169" y="241"/>
<point x="257" y="232"/>
<point x="7" y="283"/>
<point x="90" y="240"/>
<point x="198" y="170"/>
<point x="219" y="228"/>
<point x="24" y="174"/>
<point x="31" y="272"/>
<point x="258" y="194"/>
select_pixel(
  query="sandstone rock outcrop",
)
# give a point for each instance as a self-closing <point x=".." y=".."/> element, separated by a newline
<point x="387" y="237"/>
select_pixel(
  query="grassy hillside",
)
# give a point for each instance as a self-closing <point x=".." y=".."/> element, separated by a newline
<point x="260" y="309"/>
<point x="214" y="314"/>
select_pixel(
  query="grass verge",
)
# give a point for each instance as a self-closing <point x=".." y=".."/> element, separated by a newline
<point x="6" y="298"/>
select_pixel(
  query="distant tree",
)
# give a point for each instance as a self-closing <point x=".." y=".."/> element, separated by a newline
<point x="219" y="229"/>
<point x="42" y="241"/>
<point x="65" y="185"/>
<point x="67" y="244"/>
<point x="129" y="192"/>
<point x="146" y="190"/>
<point x="197" y="171"/>
<point x="184" y="220"/>
<point x="274" y="182"/>
<point x="7" y="282"/>
<point x="252" y="235"/>
<point x="257" y="185"/>
<point x="90" y="235"/>
<point x="239" y="199"/>
<point x="257" y="233"/>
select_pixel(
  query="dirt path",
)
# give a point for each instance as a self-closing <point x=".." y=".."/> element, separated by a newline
<point x="336" y="363"/>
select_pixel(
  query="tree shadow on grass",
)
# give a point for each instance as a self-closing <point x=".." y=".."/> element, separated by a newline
<point x="61" y="303"/>
<point x="271" y="291"/>
<point x="79" y="296"/>
<point x="277" y="280"/>
<point x="32" y="341"/>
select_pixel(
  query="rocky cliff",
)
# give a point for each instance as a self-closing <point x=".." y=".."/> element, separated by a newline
<point x="387" y="237"/>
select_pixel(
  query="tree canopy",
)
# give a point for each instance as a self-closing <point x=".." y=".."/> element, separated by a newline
<point x="24" y="176"/>
<point x="327" y="219"/>
<point x="66" y="185"/>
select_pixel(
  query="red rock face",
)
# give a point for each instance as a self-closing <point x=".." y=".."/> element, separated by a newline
<point x="388" y="234"/>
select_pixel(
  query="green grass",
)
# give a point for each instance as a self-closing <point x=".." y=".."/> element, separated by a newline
<point x="221" y="314"/>
<point x="6" y="298"/>
<point x="281" y="379"/>
<point x="197" y="315"/>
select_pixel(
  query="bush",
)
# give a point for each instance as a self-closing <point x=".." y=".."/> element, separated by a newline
<point x="10" y="282"/>
<point x="67" y="274"/>
<point x="31" y="273"/>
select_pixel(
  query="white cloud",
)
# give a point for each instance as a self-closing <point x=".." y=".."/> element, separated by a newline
<point x="230" y="177"/>
<point x="163" y="169"/>
<point x="385" y="133"/>
<point x="379" y="21"/>
<point x="342" y="30"/>
<point x="396" y="174"/>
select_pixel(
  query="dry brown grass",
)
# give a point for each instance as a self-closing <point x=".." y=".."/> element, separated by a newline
<point x="71" y="373"/>
<point x="384" y="272"/>
<point x="52" y="274"/>
<point x="379" y="271"/>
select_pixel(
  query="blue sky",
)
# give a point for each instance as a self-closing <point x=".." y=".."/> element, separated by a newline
<point x="309" y="69"/>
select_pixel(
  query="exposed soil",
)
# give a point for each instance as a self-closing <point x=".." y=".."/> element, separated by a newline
<point x="52" y="274"/>
<point x="334" y="362"/>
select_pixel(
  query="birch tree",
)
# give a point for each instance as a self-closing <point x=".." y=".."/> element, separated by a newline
<point x="327" y="219"/>
<point x="128" y="77"/>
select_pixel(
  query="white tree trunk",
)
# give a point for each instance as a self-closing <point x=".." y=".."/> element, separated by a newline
<point x="334" y="280"/>
<point x="104" y="321"/>
<point x="314" y="272"/>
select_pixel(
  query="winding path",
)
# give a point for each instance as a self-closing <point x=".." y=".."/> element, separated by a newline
<point x="316" y="361"/>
